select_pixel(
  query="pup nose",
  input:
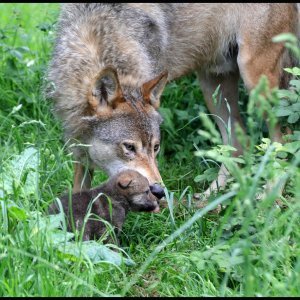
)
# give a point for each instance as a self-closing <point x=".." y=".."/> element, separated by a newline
<point x="157" y="190"/>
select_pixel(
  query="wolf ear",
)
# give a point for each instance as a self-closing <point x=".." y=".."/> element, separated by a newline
<point x="106" y="89"/>
<point x="124" y="182"/>
<point x="153" y="89"/>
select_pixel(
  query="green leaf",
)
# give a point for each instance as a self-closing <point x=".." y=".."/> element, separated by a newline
<point x="282" y="154"/>
<point x="293" y="118"/>
<point x="13" y="209"/>
<point x="22" y="49"/>
<point x="200" y="178"/>
<point x="236" y="260"/>
<point x="60" y="236"/>
<point x="182" y="114"/>
<point x="198" y="259"/>
<point x="15" y="169"/>
<point x="56" y="220"/>
<point x="95" y="252"/>
<point x="209" y="175"/>
<point x="295" y="136"/>
<point x="284" y="102"/>
<point x="210" y="127"/>
<point x="222" y="260"/>
<point x="17" y="213"/>
<point x="295" y="71"/>
<point x="72" y="250"/>
<point x="292" y="147"/>
<point x="16" y="54"/>
<point x="296" y="107"/>
<point x="283" y="111"/>
<point x="295" y="83"/>
<point x="226" y="148"/>
<point x="238" y="160"/>
<point x="204" y="134"/>
<point x="285" y="93"/>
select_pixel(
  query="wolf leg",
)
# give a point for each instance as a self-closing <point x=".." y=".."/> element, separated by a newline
<point x="254" y="62"/>
<point x="229" y="91"/>
<point x="82" y="178"/>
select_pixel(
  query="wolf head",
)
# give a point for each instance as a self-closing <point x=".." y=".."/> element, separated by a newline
<point x="135" y="188"/>
<point x="123" y="125"/>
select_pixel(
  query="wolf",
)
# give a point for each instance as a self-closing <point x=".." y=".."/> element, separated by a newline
<point x="127" y="191"/>
<point x="111" y="62"/>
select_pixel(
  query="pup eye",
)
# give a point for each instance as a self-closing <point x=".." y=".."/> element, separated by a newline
<point x="147" y="192"/>
<point x="129" y="147"/>
<point x="156" y="147"/>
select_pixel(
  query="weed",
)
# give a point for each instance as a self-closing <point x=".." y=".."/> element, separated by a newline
<point x="250" y="249"/>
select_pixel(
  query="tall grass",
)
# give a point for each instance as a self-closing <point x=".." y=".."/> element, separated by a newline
<point x="250" y="249"/>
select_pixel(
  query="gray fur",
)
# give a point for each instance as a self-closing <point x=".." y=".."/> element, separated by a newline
<point x="141" y="40"/>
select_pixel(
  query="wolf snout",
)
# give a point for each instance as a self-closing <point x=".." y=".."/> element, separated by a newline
<point x="157" y="190"/>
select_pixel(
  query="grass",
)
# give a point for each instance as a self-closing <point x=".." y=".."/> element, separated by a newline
<point x="250" y="249"/>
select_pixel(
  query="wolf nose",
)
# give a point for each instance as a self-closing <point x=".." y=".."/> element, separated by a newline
<point x="157" y="190"/>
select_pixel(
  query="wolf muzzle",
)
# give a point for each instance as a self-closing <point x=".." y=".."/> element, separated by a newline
<point x="157" y="190"/>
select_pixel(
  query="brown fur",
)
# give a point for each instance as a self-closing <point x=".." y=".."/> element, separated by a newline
<point x="128" y="190"/>
<point x="220" y="41"/>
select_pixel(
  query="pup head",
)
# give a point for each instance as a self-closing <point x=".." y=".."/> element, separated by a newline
<point x="135" y="188"/>
<point x="123" y="125"/>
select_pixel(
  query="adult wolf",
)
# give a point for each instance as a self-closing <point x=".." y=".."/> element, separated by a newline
<point x="109" y="69"/>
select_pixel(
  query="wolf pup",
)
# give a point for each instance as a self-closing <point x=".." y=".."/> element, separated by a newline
<point x="108" y="72"/>
<point x="128" y="190"/>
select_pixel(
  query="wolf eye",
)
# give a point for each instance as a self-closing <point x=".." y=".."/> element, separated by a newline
<point x="156" y="147"/>
<point x="129" y="147"/>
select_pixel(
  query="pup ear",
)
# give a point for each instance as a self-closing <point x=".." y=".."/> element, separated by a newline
<point x="124" y="182"/>
<point x="153" y="89"/>
<point x="106" y="90"/>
